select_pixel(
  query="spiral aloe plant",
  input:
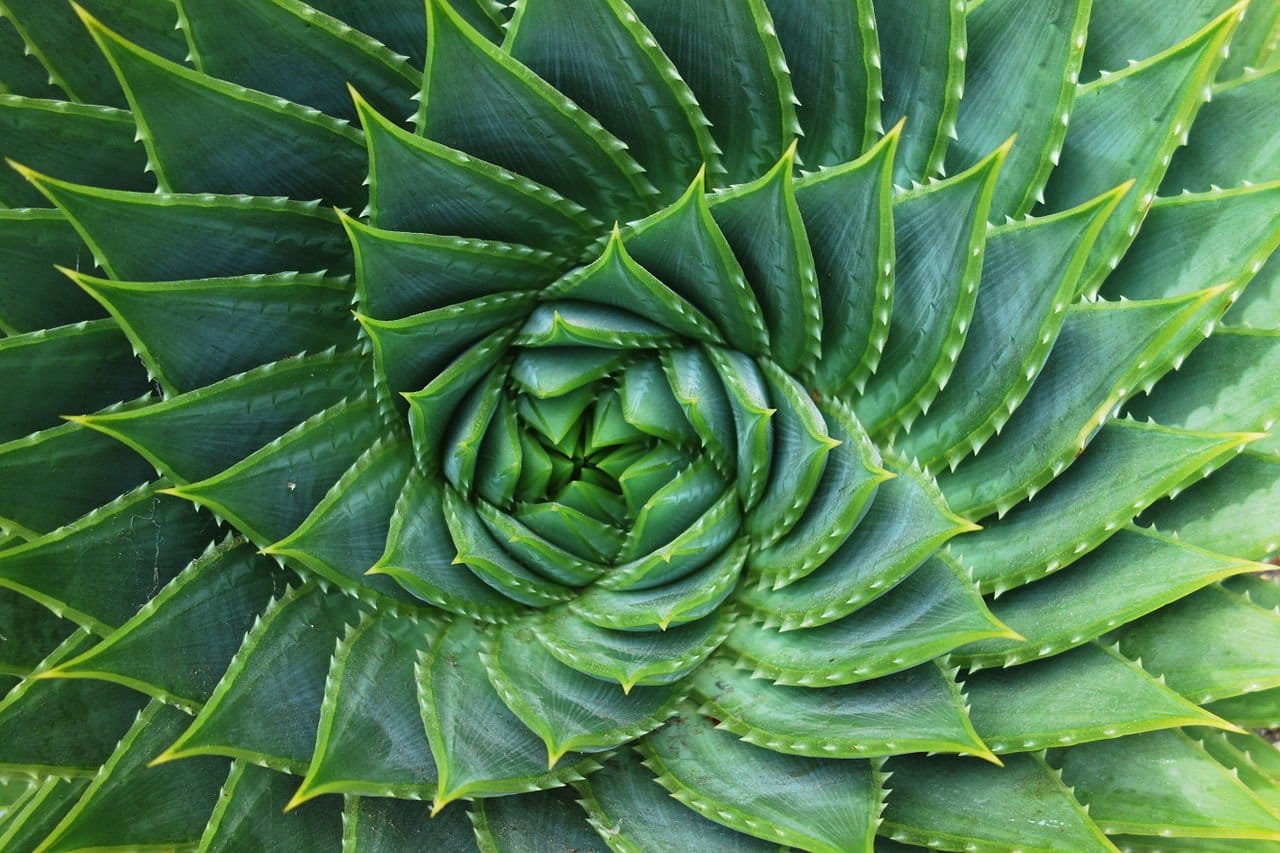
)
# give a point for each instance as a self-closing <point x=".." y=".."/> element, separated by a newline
<point x="639" y="425"/>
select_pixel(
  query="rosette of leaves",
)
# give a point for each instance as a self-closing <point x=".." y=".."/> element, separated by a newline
<point x="624" y="418"/>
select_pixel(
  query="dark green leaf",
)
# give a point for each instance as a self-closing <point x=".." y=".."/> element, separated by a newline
<point x="296" y="53"/>
<point x="821" y="805"/>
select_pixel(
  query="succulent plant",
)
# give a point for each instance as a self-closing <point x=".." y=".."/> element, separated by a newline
<point x="639" y="425"/>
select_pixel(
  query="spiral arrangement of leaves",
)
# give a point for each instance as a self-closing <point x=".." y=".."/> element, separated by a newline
<point x="672" y="485"/>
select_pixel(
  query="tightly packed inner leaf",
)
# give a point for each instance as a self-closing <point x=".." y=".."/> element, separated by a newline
<point x="639" y="425"/>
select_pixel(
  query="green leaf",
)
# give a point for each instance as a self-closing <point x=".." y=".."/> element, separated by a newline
<point x="940" y="233"/>
<point x="513" y="824"/>
<point x="248" y="815"/>
<point x="850" y="478"/>
<point x="686" y="553"/>
<point x="922" y="51"/>
<point x="949" y="803"/>
<point x="79" y="143"/>
<point x="672" y="510"/>
<point x="1258" y="710"/>
<point x="649" y="404"/>
<point x="531" y="129"/>
<point x="833" y="62"/>
<point x="1030" y="270"/>
<point x="269" y="493"/>
<point x="1165" y="784"/>
<point x="907" y="521"/>
<point x="325" y="56"/>
<point x="417" y="184"/>
<point x="63" y="728"/>
<point x="700" y="391"/>
<point x="190" y="334"/>
<point x="603" y="59"/>
<point x="1122" y="33"/>
<point x="51" y="801"/>
<point x="582" y="535"/>
<point x="934" y="610"/>
<point x="762" y="223"/>
<point x="684" y="247"/>
<point x="266" y="707"/>
<point x="1255" y="43"/>
<point x="686" y="600"/>
<point x="98" y="570"/>
<point x="1193" y="241"/>
<point x="177" y="646"/>
<point x="205" y="135"/>
<point x="419" y="556"/>
<point x="540" y="554"/>
<point x="801" y="446"/>
<point x="848" y="218"/>
<point x="180" y="796"/>
<point x="189" y="437"/>
<point x="817" y="804"/>
<point x="570" y="711"/>
<point x="347" y="531"/>
<point x="916" y="710"/>
<point x="1088" y="694"/>
<point x="479" y="551"/>
<point x="1211" y="645"/>
<point x="59" y="41"/>
<point x="1234" y="512"/>
<point x="631" y="657"/>
<point x="556" y="371"/>
<point x="1020" y="69"/>
<point x="1158" y="99"/>
<point x="633" y="814"/>
<point x="399" y="24"/>
<point x="1097" y="362"/>
<point x="370" y="739"/>
<point x="398" y="274"/>
<point x="69" y="370"/>
<point x="615" y="279"/>
<point x="165" y="237"/>
<point x="748" y="394"/>
<point x="480" y="748"/>
<point x="414" y="350"/>
<point x="569" y="323"/>
<point x="1133" y="573"/>
<point x="1225" y="381"/>
<point x="77" y="470"/>
<point x="20" y="72"/>
<point x="1127" y="467"/>
<point x="31" y="631"/>
<point x="729" y="55"/>
<point x="387" y="825"/>
<point x="34" y="295"/>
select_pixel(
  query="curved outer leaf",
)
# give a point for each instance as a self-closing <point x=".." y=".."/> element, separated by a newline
<point x="480" y="748"/>
<point x="265" y="708"/>
<point x="1183" y="791"/>
<point x="370" y="739"/>
<point x="1168" y="89"/>
<point x="935" y="289"/>
<point x="753" y="113"/>
<point x="325" y="55"/>
<point x="821" y="805"/>
<point x="606" y="61"/>
<point x="185" y="120"/>
<point x="948" y="803"/>
<point x="1020" y="68"/>
<point x="922" y="48"/>
<point x="633" y="813"/>
<point x="570" y="711"/>
<point x="531" y="128"/>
